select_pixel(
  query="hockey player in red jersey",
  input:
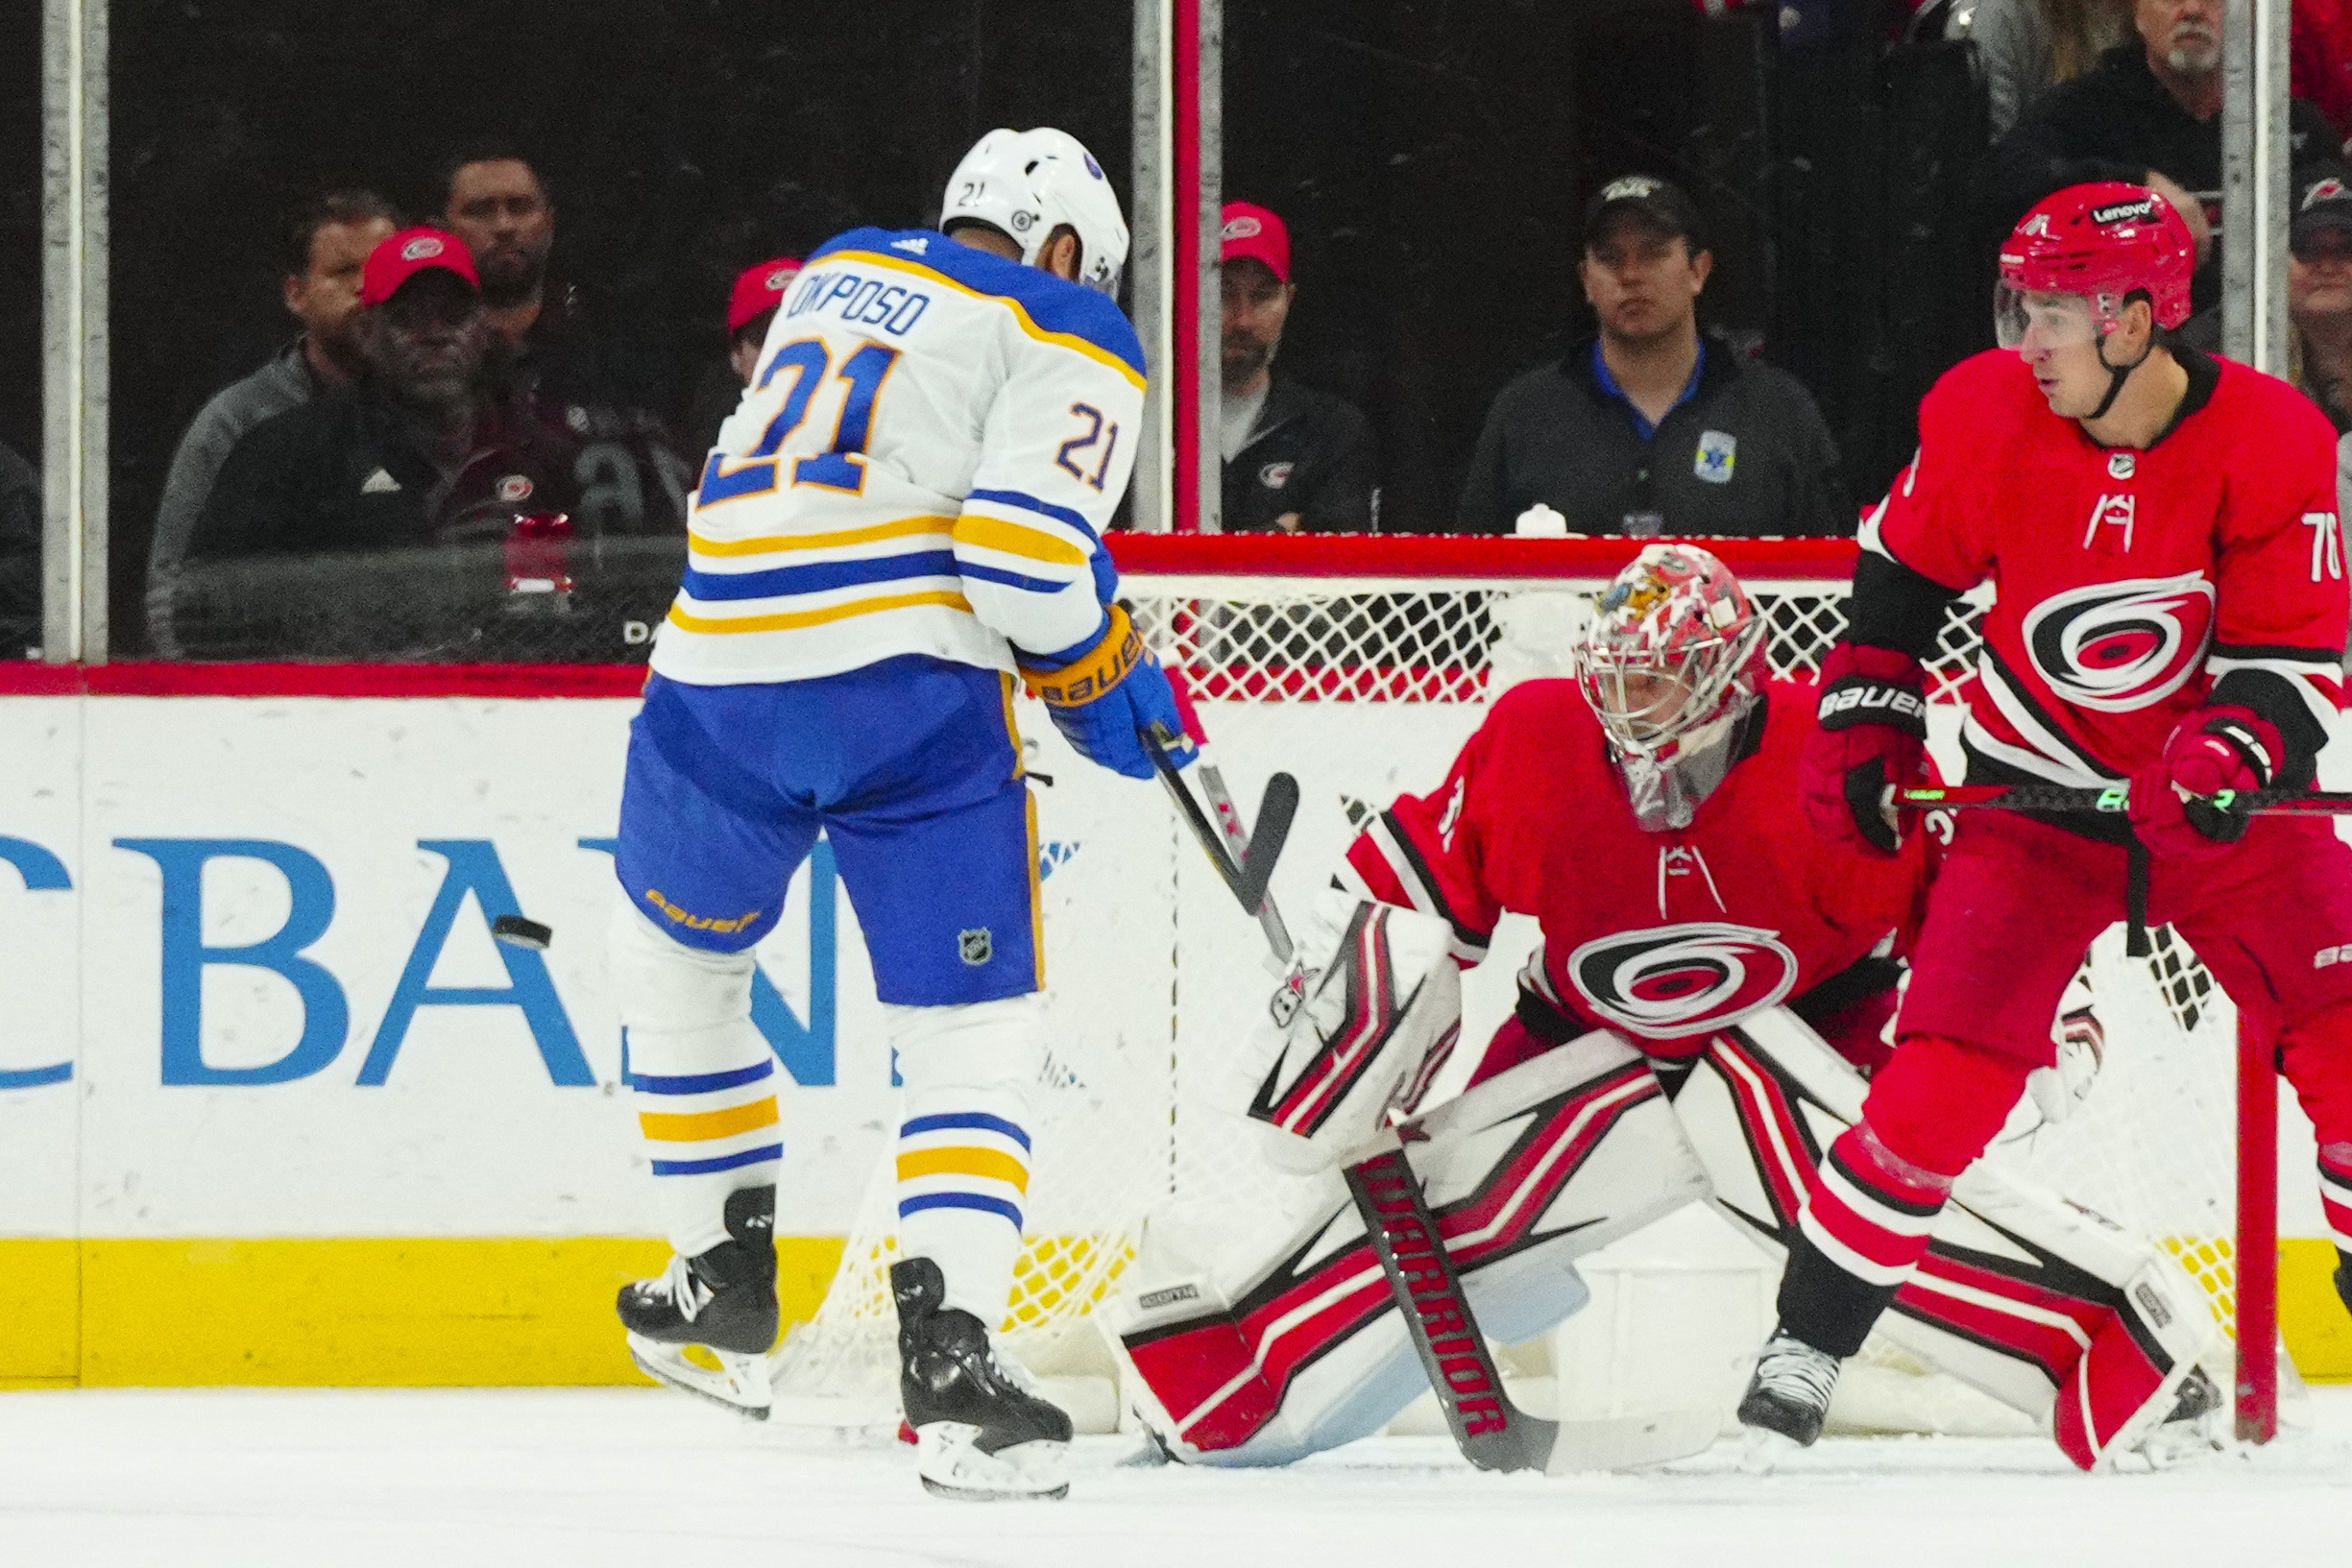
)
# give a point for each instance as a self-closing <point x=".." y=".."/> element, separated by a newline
<point x="1707" y="901"/>
<point x="1649" y="817"/>
<point x="2161" y="528"/>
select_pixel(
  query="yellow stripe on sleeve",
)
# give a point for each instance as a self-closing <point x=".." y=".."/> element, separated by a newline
<point x="667" y="1127"/>
<point x="1016" y="538"/>
<point x="939" y="528"/>
<point x="794" y="620"/>
<point x="986" y="1163"/>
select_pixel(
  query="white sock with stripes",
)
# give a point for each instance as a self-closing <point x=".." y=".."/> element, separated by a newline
<point x="964" y="1143"/>
<point x="701" y="1075"/>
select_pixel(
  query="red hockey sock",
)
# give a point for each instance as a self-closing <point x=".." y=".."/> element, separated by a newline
<point x="1940" y="1102"/>
<point x="2315" y="1055"/>
<point x="1875" y="1199"/>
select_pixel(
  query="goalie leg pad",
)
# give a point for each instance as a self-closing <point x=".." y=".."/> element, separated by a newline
<point x="2021" y="1294"/>
<point x="700" y="1074"/>
<point x="1296" y="1347"/>
<point x="1357" y="1029"/>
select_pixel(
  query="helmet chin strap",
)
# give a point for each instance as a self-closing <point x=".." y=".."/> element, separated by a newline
<point x="2117" y="375"/>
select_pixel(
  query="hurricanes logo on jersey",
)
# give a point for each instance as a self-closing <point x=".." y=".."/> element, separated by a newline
<point x="1670" y="982"/>
<point x="2114" y="648"/>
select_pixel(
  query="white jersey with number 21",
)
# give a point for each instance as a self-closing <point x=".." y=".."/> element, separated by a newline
<point x="924" y="463"/>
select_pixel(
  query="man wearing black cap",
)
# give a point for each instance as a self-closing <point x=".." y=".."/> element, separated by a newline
<point x="1648" y="428"/>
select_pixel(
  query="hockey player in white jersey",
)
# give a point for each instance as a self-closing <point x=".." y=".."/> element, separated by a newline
<point x="901" y="519"/>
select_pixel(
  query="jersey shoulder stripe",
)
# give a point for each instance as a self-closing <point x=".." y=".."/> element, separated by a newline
<point x="1049" y="309"/>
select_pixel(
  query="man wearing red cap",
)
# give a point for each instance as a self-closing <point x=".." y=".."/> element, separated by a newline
<point x="751" y="306"/>
<point x="1294" y="458"/>
<point x="418" y="452"/>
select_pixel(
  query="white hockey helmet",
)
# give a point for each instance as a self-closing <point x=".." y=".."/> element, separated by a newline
<point x="1028" y="183"/>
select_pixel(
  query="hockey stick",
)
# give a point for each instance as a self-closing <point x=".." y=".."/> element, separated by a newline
<point x="2113" y="801"/>
<point x="1249" y="875"/>
<point x="1237" y="838"/>
<point x="1491" y="1431"/>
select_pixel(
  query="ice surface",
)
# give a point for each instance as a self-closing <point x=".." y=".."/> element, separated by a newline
<point x="591" y="1477"/>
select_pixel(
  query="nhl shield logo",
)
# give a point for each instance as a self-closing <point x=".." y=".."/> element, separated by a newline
<point x="975" y="946"/>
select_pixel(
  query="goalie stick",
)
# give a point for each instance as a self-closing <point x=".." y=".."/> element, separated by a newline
<point x="1491" y="1431"/>
<point x="1259" y="847"/>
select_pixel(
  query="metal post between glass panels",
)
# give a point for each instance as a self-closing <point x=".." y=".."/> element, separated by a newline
<point x="74" y="330"/>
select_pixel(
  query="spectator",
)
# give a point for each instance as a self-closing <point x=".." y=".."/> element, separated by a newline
<point x="2149" y="114"/>
<point x="1650" y="429"/>
<point x="2027" y="47"/>
<point x="2320" y="296"/>
<point x="417" y="451"/>
<point x="547" y="351"/>
<point x="2320" y="54"/>
<point x="751" y="305"/>
<point x="20" y="555"/>
<point x="1295" y="459"/>
<point x="325" y="245"/>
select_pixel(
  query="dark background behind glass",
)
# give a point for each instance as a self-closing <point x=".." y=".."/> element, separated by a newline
<point x="20" y="229"/>
<point x="1432" y="159"/>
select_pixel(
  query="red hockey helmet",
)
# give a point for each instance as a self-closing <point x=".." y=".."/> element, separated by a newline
<point x="2101" y="244"/>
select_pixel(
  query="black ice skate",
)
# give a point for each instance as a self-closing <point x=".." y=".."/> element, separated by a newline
<point x="1788" y="1398"/>
<point x="979" y="1435"/>
<point x="721" y="1304"/>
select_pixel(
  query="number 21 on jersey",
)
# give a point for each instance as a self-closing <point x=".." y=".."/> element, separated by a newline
<point x="841" y="466"/>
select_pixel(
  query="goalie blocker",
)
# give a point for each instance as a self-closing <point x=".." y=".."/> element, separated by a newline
<point x="1260" y="1346"/>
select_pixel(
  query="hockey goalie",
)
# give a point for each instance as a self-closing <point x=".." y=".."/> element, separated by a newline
<point x="1698" y="1024"/>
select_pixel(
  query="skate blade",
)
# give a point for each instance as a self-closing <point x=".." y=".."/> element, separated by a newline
<point x="1764" y="1449"/>
<point x="737" y="1382"/>
<point x="951" y="1466"/>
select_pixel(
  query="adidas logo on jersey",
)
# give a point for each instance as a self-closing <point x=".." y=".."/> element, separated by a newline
<point x="380" y="483"/>
<point x="914" y="243"/>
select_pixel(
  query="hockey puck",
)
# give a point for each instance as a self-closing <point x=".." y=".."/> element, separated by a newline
<point x="518" y="933"/>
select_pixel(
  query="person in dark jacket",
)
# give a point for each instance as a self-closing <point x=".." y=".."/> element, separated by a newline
<point x="1295" y="459"/>
<point x="2149" y="114"/>
<point x="1649" y="427"/>
<point x="417" y="452"/>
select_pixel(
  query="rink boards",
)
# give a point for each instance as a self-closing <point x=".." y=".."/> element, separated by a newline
<point x="274" y="1108"/>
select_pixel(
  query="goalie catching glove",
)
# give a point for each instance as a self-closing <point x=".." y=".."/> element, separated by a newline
<point x="2213" y="752"/>
<point x="1872" y="735"/>
<point x="1106" y="699"/>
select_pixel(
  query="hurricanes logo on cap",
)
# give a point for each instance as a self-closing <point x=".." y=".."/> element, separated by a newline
<point x="1676" y="980"/>
<point x="1625" y="189"/>
<point x="776" y="280"/>
<point x="419" y="249"/>
<point x="2327" y="190"/>
<point x="1242" y="228"/>
<point x="2115" y="647"/>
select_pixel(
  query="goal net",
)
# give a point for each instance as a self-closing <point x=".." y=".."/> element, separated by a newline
<point x="1361" y="665"/>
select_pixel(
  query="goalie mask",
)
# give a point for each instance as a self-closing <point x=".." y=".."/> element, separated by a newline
<point x="1672" y="662"/>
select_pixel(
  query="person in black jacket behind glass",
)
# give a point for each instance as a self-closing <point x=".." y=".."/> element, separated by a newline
<point x="1295" y="459"/>
<point x="1650" y="427"/>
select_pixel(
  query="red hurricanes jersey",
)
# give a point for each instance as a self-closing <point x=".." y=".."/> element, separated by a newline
<point x="2128" y="582"/>
<point x="1662" y="935"/>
